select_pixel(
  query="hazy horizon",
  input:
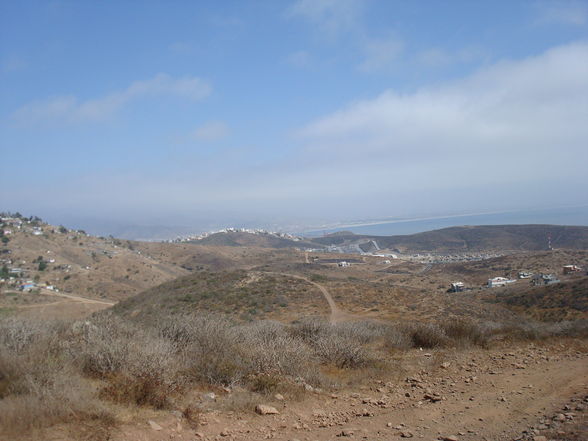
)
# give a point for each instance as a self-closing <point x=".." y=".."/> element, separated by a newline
<point x="199" y="115"/>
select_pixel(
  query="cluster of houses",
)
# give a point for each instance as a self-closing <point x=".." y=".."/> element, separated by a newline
<point x="196" y="237"/>
<point x="450" y="258"/>
<point x="540" y="279"/>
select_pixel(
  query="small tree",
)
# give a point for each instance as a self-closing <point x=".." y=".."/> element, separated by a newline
<point x="42" y="265"/>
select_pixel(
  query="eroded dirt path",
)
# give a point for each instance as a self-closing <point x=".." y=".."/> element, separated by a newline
<point x="78" y="298"/>
<point x="64" y="306"/>
<point x="479" y="395"/>
<point x="337" y="314"/>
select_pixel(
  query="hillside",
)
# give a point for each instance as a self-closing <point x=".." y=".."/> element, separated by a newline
<point x="473" y="238"/>
<point x="73" y="262"/>
<point x="563" y="301"/>
<point x="246" y="239"/>
<point x="243" y="295"/>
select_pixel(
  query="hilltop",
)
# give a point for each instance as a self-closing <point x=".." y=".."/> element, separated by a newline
<point x="261" y="239"/>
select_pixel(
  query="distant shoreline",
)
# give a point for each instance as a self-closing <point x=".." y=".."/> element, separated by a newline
<point x="570" y="215"/>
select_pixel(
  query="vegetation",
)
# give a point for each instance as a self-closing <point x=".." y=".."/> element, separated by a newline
<point x="234" y="292"/>
<point x="47" y="369"/>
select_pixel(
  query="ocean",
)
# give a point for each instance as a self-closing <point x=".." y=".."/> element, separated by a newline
<point x="555" y="216"/>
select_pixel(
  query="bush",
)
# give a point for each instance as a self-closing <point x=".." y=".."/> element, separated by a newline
<point x="139" y="367"/>
<point x="465" y="333"/>
<point x="39" y="383"/>
<point x="426" y="335"/>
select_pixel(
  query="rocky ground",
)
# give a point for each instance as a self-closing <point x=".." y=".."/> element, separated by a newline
<point x="526" y="392"/>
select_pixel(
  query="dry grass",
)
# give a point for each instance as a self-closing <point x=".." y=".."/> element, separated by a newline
<point x="56" y="372"/>
<point x="40" y="384"/>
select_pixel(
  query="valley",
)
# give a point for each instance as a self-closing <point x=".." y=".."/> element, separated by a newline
<point x="366" y="345"/>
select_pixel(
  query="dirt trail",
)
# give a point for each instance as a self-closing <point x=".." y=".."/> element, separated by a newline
<point x="77" y="298"/>
<point x="484" y="395"/>
<point x="337" y="314"/>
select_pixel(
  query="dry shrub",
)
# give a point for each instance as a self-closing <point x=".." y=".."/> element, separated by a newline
<point x="465" y="333"/>
<point x="211" y="352"/>
<point x="426" y="335"/>
<point x="40" y="383"/>
<point x="342" y="345"/>
<point x="266" y="384"/>
<point x="139" y="367"/>
<point x="192" y="415"/>
<point x="533" y="330"/>
<point x="271" y="349"/>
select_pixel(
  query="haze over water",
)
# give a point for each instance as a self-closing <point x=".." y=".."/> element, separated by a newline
<point x="559" y="216"/>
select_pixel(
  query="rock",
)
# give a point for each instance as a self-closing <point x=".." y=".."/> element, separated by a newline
<point x="433" y="397"/>
<point x="176" y="413"/>
<point x="406" y="434"/>
<point x="560" y="417"/>
<point x="279" y="397"/>
<point x="225" y="432"/>
<point x="211" y="396"/>
<point x="346" y="432"/>
<point x="449" y="438"/>
<point x="154" y="425"/>
<point x="262" y="409"/>
<point x="446" y="365"/>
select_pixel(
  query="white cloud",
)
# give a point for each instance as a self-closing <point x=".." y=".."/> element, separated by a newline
<point x="70" y="109"/>
<point x="520" y="120"/>
<point x="211" y="131"/>
<point x="332" y="16"/>
<point x="567" y="12"/>
<point x="381" y="54"/>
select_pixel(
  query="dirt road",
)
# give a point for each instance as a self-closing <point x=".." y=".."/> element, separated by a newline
<point x="65" y="306"/>
<point x="482" y="395"/>
<point x="77" y="298"/>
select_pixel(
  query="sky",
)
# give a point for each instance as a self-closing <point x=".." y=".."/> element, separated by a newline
<point x="245" y="113"/>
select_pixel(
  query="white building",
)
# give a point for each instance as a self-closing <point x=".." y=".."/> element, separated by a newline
<point x="343" y="264"/>
<point x="499" y="281"/>
<point x="457" y="287"/>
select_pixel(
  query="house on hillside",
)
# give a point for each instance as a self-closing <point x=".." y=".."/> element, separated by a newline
<point x="457" y="287"/>
<point x="343" y="264"/>
<point x="28" y="286"/>
<point x="499" y="281"/>
<point x="568" y="269"/>
<point x="525" y="275"/>
<point x="544" y="279"/>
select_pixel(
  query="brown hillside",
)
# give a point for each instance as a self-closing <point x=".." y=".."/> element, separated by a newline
<point x="475" y="238"/>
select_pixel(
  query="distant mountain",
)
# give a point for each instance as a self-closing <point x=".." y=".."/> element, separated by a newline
<point x="471" y="238"/>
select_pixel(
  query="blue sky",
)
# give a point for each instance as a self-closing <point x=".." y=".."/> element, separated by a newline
<point x="208" y="112"/>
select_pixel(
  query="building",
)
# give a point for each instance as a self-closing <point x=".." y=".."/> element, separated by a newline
<point x="567" y="269"/>
<point x="457" y="287"/>
<point x="499" y="281"/>
<point x="343" y="264"/>
<point x="28" y="286"/>
<point x="525" y="275"/>
<point x="544" y="279"/>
